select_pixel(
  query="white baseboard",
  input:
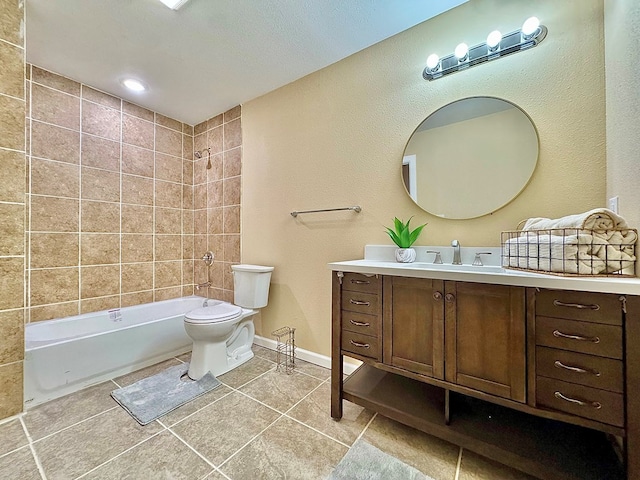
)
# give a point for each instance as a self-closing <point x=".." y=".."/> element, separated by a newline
<point x="308" y="356"/>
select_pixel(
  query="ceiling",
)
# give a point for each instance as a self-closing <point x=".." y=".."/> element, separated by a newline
<point x="211" y="54"/>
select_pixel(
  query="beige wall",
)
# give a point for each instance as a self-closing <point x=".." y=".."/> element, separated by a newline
<point x="12" y="206"/>
<point x="336" y="138"/>
<point x="111" y="201"/>
<point x="217" y="200"/>
<point x="622" y="47"/>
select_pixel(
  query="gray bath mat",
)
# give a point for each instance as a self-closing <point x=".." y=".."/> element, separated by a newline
<point x="154" y="396"/>
<point x="365" y="462"/>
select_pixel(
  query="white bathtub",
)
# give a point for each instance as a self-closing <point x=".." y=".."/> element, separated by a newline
<point x="68" y="354"/>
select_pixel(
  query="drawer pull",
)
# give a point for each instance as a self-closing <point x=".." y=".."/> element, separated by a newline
<point x="360" y="282"/>
<point x="359" y="302"/>
<point x="582" y="403"/>
<point x="358" y="344"/>
<point x="559" y="334"/>
<point x="579" y="306"/>
<point x="559" y="364"/>
<point x="359" y="324"/>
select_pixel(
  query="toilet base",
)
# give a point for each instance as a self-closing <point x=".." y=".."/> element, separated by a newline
<point x="221" y="357"/>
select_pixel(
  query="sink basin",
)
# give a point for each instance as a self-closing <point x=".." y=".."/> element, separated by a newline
<point x="453" y="268"/>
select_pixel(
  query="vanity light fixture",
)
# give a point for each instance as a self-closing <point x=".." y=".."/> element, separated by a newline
<point x="174" y="4"/>
<point x="496" y="46"/>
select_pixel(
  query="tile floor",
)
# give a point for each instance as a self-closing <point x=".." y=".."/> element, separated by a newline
<point x="260" y="424"/>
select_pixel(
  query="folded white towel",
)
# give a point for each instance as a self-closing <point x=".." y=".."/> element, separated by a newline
<point x="596" y="219"/>
<point x="553" y="253"/>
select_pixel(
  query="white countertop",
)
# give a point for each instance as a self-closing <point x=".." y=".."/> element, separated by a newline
<point x="377" y="261"/>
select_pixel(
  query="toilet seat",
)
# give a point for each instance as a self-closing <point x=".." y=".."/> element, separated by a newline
<point x="213" y="313"/>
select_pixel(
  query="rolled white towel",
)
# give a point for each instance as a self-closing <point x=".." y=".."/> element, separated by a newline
<point x="553" y="253"/>
<point x="596" y="219"/>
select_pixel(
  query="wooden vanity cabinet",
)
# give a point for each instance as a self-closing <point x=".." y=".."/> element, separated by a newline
<point x="533" y="378"/>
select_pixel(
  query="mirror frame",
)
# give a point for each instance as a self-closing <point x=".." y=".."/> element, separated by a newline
<point x="502" y="205"/>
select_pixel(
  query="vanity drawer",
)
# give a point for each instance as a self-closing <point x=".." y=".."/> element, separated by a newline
<point x="364" y="345"/>
<point x="588" y="370"/>
<point x="584" y="337"/>
<point x="357" y="282"/>
<point x="585" y="306"/>
<point x="360" y="302"/>
<point x="360" y="323"/>
<point x="599" y="405"/>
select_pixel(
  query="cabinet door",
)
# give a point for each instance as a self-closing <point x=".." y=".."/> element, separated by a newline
<point x="414" y="325"/>
<point x="485" y="338"/>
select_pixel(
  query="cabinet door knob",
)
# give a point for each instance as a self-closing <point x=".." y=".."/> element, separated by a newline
<point x="437" y="295"/>
<point x="449" y="297"/>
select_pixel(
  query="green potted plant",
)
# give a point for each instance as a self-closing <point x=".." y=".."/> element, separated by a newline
<point x="404" y="237"/>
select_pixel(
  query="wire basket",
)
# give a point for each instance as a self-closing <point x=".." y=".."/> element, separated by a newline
<point x="285" y="349"/>
<point x="571" y="251"/>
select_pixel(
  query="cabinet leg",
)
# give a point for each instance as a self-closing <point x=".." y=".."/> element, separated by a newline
<point x="336" y="387"/>
<point x="447" y="412"/>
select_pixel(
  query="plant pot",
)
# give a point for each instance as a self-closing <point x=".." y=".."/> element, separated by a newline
<point x="405" y="255"/>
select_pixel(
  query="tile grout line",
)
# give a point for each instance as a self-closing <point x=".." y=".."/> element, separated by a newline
<point x="457" y="476"/>
<point x="164" y="429"/>
<point x="75" y="424"/>
<point x="190" y="447"/>
<point x="33" y="450"/>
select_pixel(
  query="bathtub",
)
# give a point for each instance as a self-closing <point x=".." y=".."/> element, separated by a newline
<point x="68" y="354"/>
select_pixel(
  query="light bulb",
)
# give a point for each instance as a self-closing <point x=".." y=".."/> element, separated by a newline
<point x="493" y="39"/>
<point x="461" y="51"/>
<point x="530" y="26"/>
<point x="134" y="85"/>
<point x="433" y="61"/>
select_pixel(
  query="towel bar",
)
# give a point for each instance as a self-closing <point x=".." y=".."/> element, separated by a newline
<point x="355" y="208"/>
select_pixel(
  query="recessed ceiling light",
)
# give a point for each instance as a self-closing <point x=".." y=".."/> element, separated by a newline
<point x="134" y="85"/>
<point x="174" y="4"/>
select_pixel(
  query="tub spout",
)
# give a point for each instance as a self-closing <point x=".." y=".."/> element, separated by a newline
<point x="205" y="284"/>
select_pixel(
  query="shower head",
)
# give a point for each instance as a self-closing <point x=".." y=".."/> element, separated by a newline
<point x="198" y="154"/>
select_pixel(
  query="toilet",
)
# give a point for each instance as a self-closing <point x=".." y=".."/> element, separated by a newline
<point x="223" y="333"/>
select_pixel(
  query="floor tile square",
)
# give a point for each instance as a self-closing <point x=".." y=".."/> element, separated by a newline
<point x="161" y="457"/>
<point x="86" y="445"/>
<point x="246" y="372"/>
<point x="280" y="390"/>
<point x="315" y="411"/>
<point x="63" y="412"/>
<point x="19" y="465"/>
<point x="194" y="405"/>
<point x="286" y="449"/>
<point x="475" y="467"/>
<point x="432" y="456"/>
<point x="219" y="430"/>
<point x="12" y="436"/>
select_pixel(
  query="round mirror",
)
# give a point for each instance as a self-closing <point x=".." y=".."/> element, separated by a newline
<point x="470" y="158"/>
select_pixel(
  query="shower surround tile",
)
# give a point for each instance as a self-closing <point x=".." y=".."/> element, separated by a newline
<point x="12" y="187"/>
<point x="55" y="143"/>
<point x="12" y="333"/>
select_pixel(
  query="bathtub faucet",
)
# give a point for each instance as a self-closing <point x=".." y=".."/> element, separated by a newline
<point x="205" y="284"/>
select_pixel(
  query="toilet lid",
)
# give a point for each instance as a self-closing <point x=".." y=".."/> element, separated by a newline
<point x="213" y="313"/>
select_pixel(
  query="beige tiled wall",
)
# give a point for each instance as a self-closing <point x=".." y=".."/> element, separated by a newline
<point x="12" y="206"/>
<point x="111" y="201"/>
<point x="216" y="196"/>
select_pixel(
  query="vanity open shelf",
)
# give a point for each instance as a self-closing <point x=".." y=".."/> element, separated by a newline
<point x="506" y="435"/>
<point x="535" y="372"/>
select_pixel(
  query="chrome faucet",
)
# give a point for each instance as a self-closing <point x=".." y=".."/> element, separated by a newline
<point x="456" y="253"/>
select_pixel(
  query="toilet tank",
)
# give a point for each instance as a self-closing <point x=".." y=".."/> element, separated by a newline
<point x="251" y="285"/>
